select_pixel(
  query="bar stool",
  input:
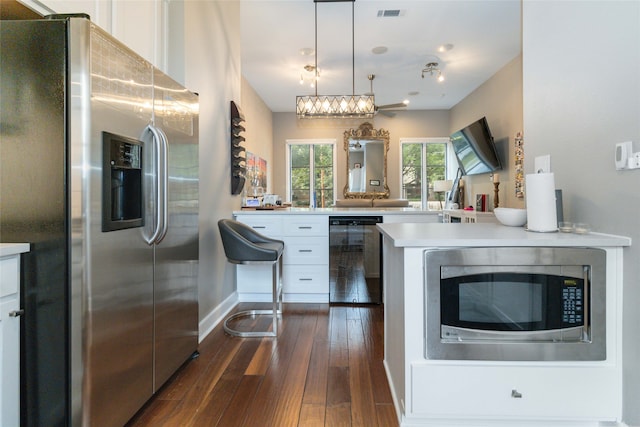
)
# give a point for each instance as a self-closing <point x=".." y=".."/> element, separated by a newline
<point x="243" y="245"/>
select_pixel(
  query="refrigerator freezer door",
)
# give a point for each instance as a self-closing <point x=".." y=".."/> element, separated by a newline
<point x="118" y="339"/>
<point x="176" y="269"/>
<point x="33" y="177"/>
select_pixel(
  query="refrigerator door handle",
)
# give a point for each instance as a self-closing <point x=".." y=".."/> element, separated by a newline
<point x="158" y="143"/>
<point x="164" y="184"/>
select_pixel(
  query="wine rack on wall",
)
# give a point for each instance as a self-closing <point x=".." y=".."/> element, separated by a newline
<point x="238" y="152"/>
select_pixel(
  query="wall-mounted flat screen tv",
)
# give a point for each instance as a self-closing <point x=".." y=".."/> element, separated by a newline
<point x="475" y="150"/>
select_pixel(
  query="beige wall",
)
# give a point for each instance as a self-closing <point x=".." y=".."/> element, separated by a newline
<point x="259" y="128"/>
<point x="405" y="124"/>
<point x="577" y="116"/>
<point x="213" y="27"/>
<point x="500" y="100"/>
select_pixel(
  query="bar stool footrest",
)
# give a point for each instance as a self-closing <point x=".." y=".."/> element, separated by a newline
<point x="248" y="313"/>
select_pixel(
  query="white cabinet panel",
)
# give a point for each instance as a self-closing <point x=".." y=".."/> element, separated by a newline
<point x="306" y="279"/>
<point x="9" y="283"/>
<point x="306" y="258"/>
<point x="139" y="25"/>
<point x="532" y="392"/>
<point x="306" y="250"/>
<point x="9" y="341"/>
<point x="306" y="225"/>
<point x="270" y="226"/>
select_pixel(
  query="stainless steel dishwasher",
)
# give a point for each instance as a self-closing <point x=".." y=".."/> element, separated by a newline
<point x="355" y="260"/>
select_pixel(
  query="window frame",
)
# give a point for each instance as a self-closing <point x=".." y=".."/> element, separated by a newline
<point x="323" y="141"/>
<point x="450" y="163"/>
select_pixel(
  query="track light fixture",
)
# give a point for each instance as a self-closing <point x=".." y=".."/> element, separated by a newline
<point x="431" y="68"/>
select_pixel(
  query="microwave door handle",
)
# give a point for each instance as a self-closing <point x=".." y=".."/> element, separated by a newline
<point x="586" y="307"/>
<point x="158" y="162"/>
<point x="163" y="181"/>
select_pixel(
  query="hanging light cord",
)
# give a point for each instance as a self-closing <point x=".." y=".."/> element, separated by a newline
<point x="316" y="46"/>
<point x="353" y="50"/>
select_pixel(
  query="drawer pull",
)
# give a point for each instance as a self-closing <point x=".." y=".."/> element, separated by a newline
<point x="305" y="279"/>
<point x="16" y="313"/>
<point x="305" y="250"/>
<point x="259" y="226"/>
<point x="515" y="394"/>
<point x="306" y="227"/>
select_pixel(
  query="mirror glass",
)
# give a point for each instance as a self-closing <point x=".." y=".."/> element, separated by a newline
<point x="366" y="150"/>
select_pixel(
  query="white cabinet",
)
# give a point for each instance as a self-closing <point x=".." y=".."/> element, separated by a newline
<point x="10" y="336"/>
<point x="517" y="392"/>
<point x="306" y="258"/>
<point x="469" y="393"/>
<point x="139" y="24"/>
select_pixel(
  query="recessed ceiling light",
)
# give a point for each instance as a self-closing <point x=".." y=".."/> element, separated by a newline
<point x="445" y="47"/>
<point x="378" y="50"/>
<point x="306" y="51"/>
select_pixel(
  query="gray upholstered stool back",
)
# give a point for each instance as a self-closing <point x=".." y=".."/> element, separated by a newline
<point x="243" y="245"/>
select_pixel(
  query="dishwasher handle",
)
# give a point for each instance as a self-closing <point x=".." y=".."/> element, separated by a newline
<point x="354" y="220"/>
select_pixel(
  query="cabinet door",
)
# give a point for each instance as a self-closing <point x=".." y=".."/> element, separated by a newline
<point x="138" y="24"/>
<point x="98" y="10"/>
<point x="10" y="360"/>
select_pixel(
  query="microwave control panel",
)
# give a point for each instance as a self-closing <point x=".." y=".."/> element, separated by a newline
<point x="572" y="300"/>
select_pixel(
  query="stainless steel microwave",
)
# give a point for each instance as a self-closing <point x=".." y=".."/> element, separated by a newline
<point x="515" y="303"/>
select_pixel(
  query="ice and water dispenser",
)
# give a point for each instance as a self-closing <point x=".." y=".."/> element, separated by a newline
<point x="121" y="183"/>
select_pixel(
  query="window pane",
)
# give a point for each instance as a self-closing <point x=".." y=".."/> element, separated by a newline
<point x="304" y="185"/>
<point x="300" y="198"/>
<point x="300" y="155"/>
<point x="436" y="162"/>
<point x="323" y="155"/>
<point x="412" y="173"/>
<point x="300" y="178"/>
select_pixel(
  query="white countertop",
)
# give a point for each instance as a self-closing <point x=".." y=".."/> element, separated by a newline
<point x="486" y="234"/>
<point x="338" y="211"/>
<point x="7" y="249"/>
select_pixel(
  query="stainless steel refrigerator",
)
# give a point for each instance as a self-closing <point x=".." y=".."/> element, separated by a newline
<point x="99" y="172"/>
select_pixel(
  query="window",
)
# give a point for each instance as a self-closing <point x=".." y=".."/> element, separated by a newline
<point x="310" y="173"/>
<point x="424" y="161"/>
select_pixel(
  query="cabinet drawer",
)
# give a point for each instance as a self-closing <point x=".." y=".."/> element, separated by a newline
<point x="306" y="250"/>
<point x="267" y="225"/>
<point x="533" y="392"/>
<point x="305" y="225"/>
<point x="306" y="279"/>
<point x="9" y="275"/>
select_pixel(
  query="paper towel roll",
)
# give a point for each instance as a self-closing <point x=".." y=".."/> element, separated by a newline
<point x="540" y="189"/>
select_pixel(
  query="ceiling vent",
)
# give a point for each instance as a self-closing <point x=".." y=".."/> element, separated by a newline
<point x="390" y="13"/>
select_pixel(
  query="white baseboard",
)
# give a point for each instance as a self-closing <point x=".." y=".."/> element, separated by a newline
<point x="288" y="297"/>
<point x="217" y="315"/>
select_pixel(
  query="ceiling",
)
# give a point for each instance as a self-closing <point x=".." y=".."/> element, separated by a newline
<point x="485" y="35"/>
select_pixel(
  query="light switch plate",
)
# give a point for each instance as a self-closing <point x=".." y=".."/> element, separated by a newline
<point x="542" y="164"/>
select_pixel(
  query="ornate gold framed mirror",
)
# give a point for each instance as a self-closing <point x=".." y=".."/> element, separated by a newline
<point x="366" y="168"/>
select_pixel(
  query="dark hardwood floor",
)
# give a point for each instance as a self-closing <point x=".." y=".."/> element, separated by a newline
<point x="324" y="369"/>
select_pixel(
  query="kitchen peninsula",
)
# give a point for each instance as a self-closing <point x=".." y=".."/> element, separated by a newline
<point x="495" y="389"/>
<point x="305" y="232"/>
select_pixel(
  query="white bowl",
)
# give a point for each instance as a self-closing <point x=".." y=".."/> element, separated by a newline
<point x="511" y="216"/>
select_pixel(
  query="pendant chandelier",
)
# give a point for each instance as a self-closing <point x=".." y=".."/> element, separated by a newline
<point x="335" y="106"/>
